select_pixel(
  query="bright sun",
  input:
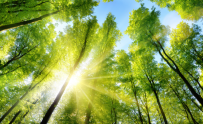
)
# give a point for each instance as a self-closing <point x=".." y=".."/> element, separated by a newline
<point x="75" y="79"/>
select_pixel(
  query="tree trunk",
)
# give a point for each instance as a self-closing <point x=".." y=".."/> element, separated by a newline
<point x="137" y="103"/>
<point x="149" y="120"/>
<point x="88" y="113"/>
<point x="152" y="85"/>
<point x="15" y="25"/>
<point x="147" y="108"/>
<point x="160" y="107"/>
<point x="115" y="115"/>
<point x="16" y="115"/>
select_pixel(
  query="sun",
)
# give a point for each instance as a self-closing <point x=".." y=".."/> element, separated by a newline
<point x="74" y="80"/>
<point x="76" y="77"/>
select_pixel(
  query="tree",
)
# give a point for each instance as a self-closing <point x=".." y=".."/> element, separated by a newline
<point x="19" y="13"/>
<point x="124" y="65"/>
<point x="23" y="60"/>
<point x="88" y="30"/>
<point x="155" y="39"/>
<point x="106" y="37"/>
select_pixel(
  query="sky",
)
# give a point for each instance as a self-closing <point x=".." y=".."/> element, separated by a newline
<point x="121" y="9"/>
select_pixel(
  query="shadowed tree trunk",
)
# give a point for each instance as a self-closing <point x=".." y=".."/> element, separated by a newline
<point x="152" y="84"/>
<point x="16" y="115"/>
<point x="15" y="25"/>
<point x="137" y="103"/>
<point x="160" y="107"/>
<point x="145" y="103"/>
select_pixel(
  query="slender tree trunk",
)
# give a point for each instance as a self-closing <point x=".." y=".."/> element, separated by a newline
<point x="160" y="107"/>
<point x="88" y="113"/>
<point x="115" y="115"/>
<point x="147" y="108"/>
<point x="15" y="25"/>
<point x="149" y="120"/>
<point x="152" y="84"/>
<point x="140" y="114"/>
<point x="137" y="103"/>
<point x="58" y="97"/>
<point x="16" y="115"/>
<point x="113" y="111"/>
<point x="160" y="118"/>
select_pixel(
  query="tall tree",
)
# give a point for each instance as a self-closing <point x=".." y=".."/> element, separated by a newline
<point x="147" y="73"/>
<point x="123" y="60"/>
<point x="148" y="31"/>
<point x="88" y="29"/>
<point x="107" y="36"/>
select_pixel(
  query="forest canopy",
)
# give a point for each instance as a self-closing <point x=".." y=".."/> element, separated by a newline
<point x="78" y="76"/>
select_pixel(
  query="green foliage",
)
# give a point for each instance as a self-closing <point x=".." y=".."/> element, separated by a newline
<point x="105" y="86"/>
<point x="107" y="0"/>
<point x="187" y="9"/>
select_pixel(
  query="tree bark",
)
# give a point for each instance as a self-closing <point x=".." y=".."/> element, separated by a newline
<point x="157" y="97"/>
<point x="135" y="95"/>
<point x="137" y="103"/>
<point x="16" y="115"/>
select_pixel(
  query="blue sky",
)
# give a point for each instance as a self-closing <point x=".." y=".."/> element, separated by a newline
<point x="121" y="10"/>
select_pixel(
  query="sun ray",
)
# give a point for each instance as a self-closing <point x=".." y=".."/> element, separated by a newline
<point x="101" y="77"/>
<point x="111" y="94"/>
<point x="86" y="96"/>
